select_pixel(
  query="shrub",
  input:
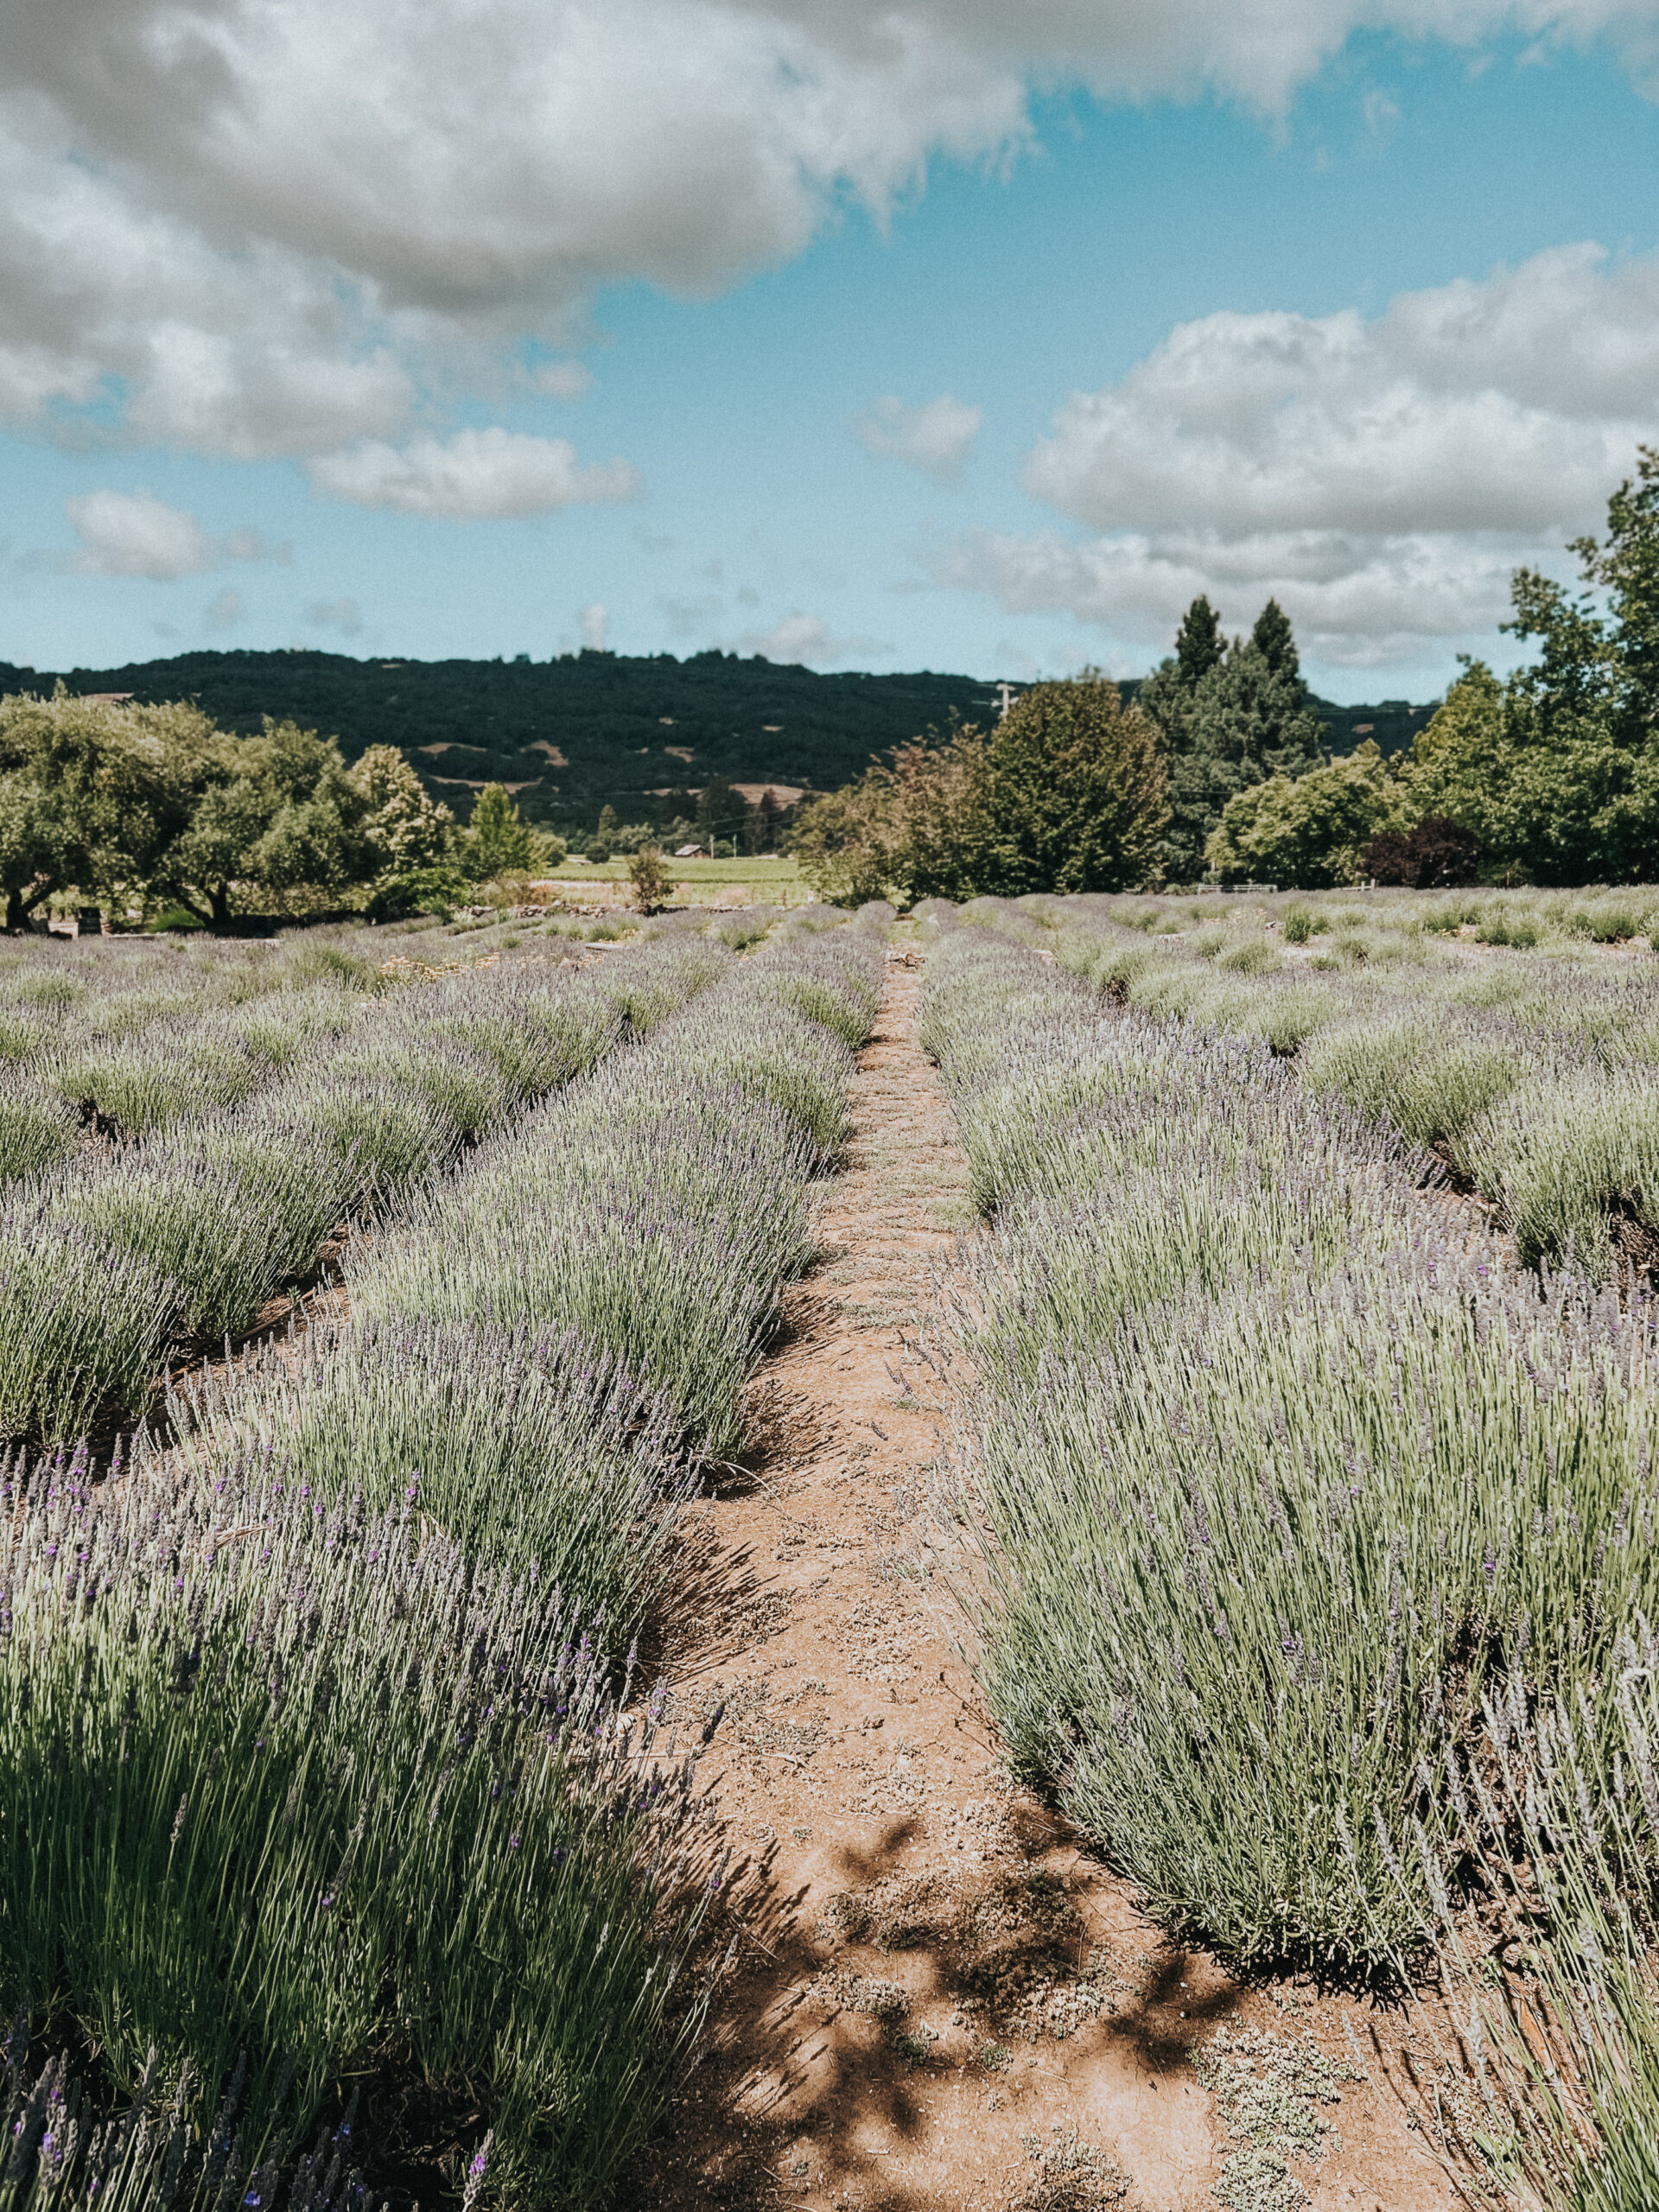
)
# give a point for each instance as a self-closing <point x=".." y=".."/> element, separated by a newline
<point x="1270" y="1477"/>
<point x="532" y="1450"/>
<point x="299" y="1783"/>
<point x="1433" y="854"/>
<point x="649" y="876"/>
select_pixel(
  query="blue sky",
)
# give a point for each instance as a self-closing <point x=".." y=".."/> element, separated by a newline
<point x="966" y="352"/>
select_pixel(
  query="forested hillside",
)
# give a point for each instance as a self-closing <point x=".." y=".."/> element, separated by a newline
<point x="594" y="729"/>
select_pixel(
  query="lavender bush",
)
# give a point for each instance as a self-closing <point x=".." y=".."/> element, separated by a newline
<point x="1272" y="1468"/>
<point x="225" y="1207"/>
<point x="531" y="1450"/>
<point x="657" y="1208"/>
<point x="1537" y="1080"/>
<point x="69" y="2147"/>
<point x="296" y="1790"/>
<point x="37" y="1128"/>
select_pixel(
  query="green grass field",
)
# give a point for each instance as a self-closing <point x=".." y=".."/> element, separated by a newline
<point x="778" y="883"/>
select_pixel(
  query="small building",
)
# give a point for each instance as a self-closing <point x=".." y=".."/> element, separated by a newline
<point x="690" y="853"/>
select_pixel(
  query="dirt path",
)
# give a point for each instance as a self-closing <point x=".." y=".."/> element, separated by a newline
<point x="940" y="2000"/>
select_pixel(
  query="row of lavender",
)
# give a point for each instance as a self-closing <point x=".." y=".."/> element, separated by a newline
<point x="1535" y="1076"/>
<point x="129" y="1037"/>
<point x="1290" y="1494"/>
<point x="320" y="1768"/>
<point x="116" y="1256"/>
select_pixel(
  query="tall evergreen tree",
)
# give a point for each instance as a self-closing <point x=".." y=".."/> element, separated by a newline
<point x="1231" y="715"/>
<point x="1275" y="640"/>
<point x="1199" y="645"/>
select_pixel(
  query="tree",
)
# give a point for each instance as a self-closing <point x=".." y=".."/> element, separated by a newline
<point x="1230" y="716"/>
<point x="403" y="827"/>
<point x="1309" y="832"/>
<point x="761" y="824"/>
<point x="1067" y="794"/>
<point x="1433" y="854"/>
<point x="913" y="827"/>
<point x="1199" y="645"/>
<point x="1275" y="641"/>
<point x="1459" y="764"/>
<point x="1549" y="771"/>
<point x="846" y="841"/>
<point x="720" y="811"/>
<point x="89" y="792"/>
<point x="272" y="814"/>
<point x="499" y="842"/>
<point x="649" y="876"/>
<point x="1075" y="791"/>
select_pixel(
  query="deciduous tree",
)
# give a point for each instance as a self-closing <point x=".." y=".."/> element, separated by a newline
<point x="1075" y="792"/>
<point x="1309" y="832"/>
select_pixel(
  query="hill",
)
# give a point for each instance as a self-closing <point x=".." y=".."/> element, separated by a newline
<point x="593" y="729"/>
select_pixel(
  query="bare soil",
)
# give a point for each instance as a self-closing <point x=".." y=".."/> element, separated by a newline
<point x="939" y="1997"/>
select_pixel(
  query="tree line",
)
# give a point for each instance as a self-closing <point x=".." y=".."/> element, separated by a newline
<point x="642" y="734"/>
<point x="140" y="808"/>
<point x="1215" y="770"/>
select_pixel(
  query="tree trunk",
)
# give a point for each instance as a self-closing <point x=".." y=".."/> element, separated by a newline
<point x="20" y="904"/>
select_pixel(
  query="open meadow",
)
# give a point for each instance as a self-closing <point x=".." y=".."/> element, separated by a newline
<point x="741" y="882"/>
<point x="1003" y="1560"/>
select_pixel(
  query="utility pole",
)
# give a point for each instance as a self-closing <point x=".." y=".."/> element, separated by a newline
<point x="1006" y="692"/>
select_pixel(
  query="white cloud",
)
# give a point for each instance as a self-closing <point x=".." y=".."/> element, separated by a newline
<point x="1381" y="479"/>
<point x="934" y="438"/>
<point x="342" y="614"/>
<point x="595" y="624"/>
<point x="134" y="534"/>
<point x="806" y="638"/>
<point x="1356" y="603"/>
<point x="258" y="225"/>
<point x="226" y="612"/>
<point x="476" y="475"/>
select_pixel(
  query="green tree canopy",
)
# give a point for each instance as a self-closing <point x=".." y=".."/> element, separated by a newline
<point x="403" y="827"/>
<point x="91" y="792"/>
<point x="1065" y="794"/>
<point x="1556" y="770"/>
<point x="498" y="841"/>
<point x="1309" y="832"/>
<point x="1075" y="791"/>
<point x="1230" y="716"/>
<point x="1199" y="645"/>
<point x="721" y="809"/>
<point x="271" y="814"/>
<point x="913" y="827"/>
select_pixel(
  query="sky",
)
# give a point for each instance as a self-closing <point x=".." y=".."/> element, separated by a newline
<point x="968" y="334"/>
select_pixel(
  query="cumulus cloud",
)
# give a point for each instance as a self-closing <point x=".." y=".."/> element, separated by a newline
<point x="1355" y="602"/>
<point x="594" y="622"/>
<point x="226" y="611"/>
<point x="258" y="225"/>
<point x="477" y="475"/>
<point x="133" y="534"/>
<point x="934" y="438"/>
<point x="1382" y="478"/>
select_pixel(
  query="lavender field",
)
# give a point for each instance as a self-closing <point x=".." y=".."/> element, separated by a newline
<point x="366" y="1320"/>
<point x="376" y="1305"/>
<point x="1312" y="1475"/>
